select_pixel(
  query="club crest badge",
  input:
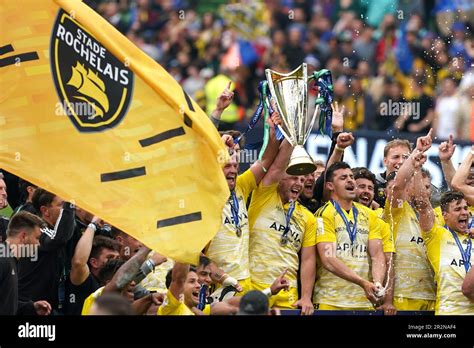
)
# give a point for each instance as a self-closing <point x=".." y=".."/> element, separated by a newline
<point x="94" y="87"/>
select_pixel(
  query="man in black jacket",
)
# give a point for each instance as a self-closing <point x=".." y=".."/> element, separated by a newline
<point x="23" y="239"/>
<point x="41" y="278"/>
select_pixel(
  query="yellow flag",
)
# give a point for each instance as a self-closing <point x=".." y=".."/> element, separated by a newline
<point x="87" y="115"/>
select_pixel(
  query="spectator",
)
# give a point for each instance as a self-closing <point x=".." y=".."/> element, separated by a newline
<point x="27" y="189"/>
<point x="91" y="255"/>
<point x="23" y="230"/>
<point x="41" y="279"/>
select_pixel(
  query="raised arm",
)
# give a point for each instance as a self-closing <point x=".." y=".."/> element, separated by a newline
<point x="343" y="141"/>
<point x="148" y="266"/>
<point x="408" y="168"/>
<point x="223" y="101"/>
<point x="327" y="254"/>
<point x="63" y="230"/>
<point x="459" y="179"/>
<point x="278" y="167"/>
<point x="423" y="204"/>
<point x="260" y="167"/>
<point x="80" y="270"/>
<point x="178" y="279"/>
<point x="446" y="150"/>
<point x="127" y="272"/>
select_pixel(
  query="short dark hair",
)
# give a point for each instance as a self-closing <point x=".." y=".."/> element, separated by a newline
<point x="235" y="134"/>
<point x="335" y="166"/>
<point x="23" y="185"/>
<point x="23" y="220"/>
<point x="103" y="242"/>
<point x="107" y="272"/>
<point x="448" y="197"/>
<point x="364" y="173"/>
<point x="41" y="198"/>
<point x="204" y="261"/>
<point x="114" y="304"/>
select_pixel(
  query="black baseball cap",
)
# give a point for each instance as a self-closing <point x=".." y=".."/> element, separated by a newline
<point x="253" y="303"/>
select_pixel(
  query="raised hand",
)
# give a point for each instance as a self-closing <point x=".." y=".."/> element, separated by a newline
<point x="337" y="117"/>
<point x="424" y="143"/>
<point x="446" y="149"/>
<point x="225" y="98"/>
<point x="274" y="119"/>
<point x="344" y="140"/>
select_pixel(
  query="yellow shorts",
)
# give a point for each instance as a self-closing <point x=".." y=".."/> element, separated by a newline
<point x="284" y="299"/>
<point x="410" y="304"/>
<point x="326" y="307"/>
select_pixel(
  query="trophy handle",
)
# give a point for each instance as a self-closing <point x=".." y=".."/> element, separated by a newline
<point x="313" y="119"/>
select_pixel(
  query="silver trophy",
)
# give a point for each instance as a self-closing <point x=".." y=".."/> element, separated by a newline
<point x="290" y="93"/>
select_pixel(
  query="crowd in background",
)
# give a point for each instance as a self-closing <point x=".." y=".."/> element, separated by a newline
<point x="377" y="51"/>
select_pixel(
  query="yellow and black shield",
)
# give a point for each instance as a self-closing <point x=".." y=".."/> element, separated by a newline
<point x="94" y="87"/>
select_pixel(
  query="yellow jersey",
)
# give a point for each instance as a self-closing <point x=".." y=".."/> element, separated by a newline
<point x="447" y="262"/>
<point x="414" y="277"/>
<point x="387" y="236"/>
<point x="387" y="233"/>
<point x="90" y="300"/>
<point x="173" y="306"/>
<point x="267" y="216"/>
<point x="228" y="250"/>
<point x="331" y="289"/>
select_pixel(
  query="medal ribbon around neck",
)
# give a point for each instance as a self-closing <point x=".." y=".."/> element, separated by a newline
<point x="465" y="254"/>
<point x="351" y="231"/>
<point x="234" y="208"/>
<point x="289" y="214"/>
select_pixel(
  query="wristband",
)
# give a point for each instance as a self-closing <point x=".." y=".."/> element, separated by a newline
<point x="267" y="292"/>
<point x="337" y="148"/>
<point x="148" y="266"/>
<point x="230" y="281"/>
<point x="92" y="226"/>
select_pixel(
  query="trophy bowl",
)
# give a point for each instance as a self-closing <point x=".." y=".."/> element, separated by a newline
<point x="290" y="93"/>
